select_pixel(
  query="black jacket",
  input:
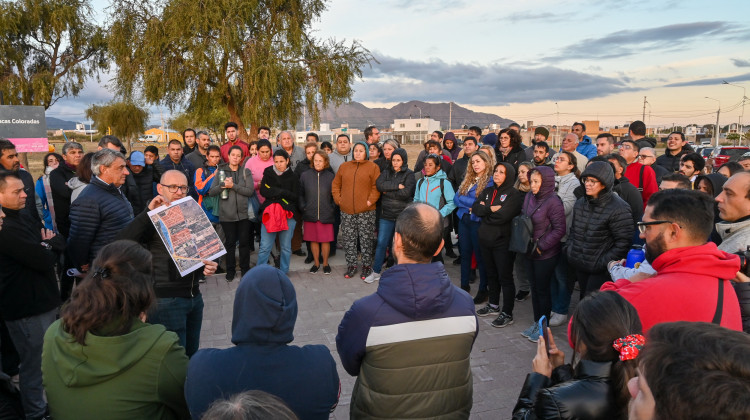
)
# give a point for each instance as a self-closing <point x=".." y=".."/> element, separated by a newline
<point x="316" y="197"/>
<point x="583" y="394"/>
<point x="184" y="166"/>
<point x="495" y="227"/>
<point x="282" y="189"/>
<point x="28" y="285"/>
<point x="672" y="162"/>
<point x="515" y="156"/>
<point x="743" y="295"/>
<point x="602" y="228"/>
<point x="394" y="200"/>
<point x="96" y="217"/>
<point x="302" y="167"/>
<point x="167" y="280"/>
<point x="29" y="213"/>
<point x="458" y="171"/>
<point x="58" y="179"/>
<point x="144" y="182"/>
<point x="631" y="195"/>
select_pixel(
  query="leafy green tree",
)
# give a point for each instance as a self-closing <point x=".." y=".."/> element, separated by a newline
<point x="126" y="119"/>
<point x="48" y="48"/>
<point x="257" y="59"/>
<point x="213" y="121"/>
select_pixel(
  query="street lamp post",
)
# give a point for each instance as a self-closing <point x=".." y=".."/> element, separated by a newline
<point x="717" y="121"/>
<point x="742" y="116"/>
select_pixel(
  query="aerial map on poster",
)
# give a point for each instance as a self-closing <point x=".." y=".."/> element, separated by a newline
<point x="187" y="233"/>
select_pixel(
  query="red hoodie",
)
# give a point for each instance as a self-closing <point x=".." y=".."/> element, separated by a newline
<point x="685" y="287"/>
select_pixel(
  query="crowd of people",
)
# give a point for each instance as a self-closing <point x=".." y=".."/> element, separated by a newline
<point x="126" y="344"/>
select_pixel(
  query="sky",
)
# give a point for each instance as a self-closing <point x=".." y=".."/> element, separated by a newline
<point x="544" y="61"/>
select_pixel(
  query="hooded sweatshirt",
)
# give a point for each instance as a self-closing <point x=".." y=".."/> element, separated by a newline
<point x="547" y="215"/>
<point x="495" y="227"/>
<point x="265" y="311"/>
<point x="602" y="228"/>
<point x="138" y="375"/>
<point x="392" y="198"/>
<point x="717" y="182"/>
<point x="354" y="185"/>
<point x="685" y="287"/>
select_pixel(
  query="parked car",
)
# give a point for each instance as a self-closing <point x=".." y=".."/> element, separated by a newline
<point x="724" y="154"/>
<point x="706" y="152"/>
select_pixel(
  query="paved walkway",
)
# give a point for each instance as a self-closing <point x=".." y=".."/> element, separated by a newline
<point x="500" y="359"/>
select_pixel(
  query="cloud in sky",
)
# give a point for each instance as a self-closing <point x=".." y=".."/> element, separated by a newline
<point x="740" y="62"/>
<point x="399" y="79"/>
<point x="712" y="81"/>
<point x="629" y="42"/>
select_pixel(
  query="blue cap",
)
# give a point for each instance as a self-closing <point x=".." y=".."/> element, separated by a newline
<point x="137" y="158"/>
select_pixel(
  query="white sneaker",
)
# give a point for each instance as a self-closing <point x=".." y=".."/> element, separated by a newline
<point x="557" y="319"/>
<point x="372" y="277"/>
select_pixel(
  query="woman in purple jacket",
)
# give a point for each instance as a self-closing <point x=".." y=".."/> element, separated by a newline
<point x="548" y="217"/>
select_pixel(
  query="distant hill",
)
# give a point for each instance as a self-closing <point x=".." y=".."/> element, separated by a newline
<point x="360" y="116"/>
<point x="57" y="124"/>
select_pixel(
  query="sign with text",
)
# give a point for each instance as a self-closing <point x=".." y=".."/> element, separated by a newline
<point x="25" y="126"/>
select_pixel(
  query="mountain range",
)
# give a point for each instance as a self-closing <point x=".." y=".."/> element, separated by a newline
<point x="358" y="115"/>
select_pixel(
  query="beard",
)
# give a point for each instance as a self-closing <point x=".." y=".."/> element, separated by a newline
<point x="655" y="248"/>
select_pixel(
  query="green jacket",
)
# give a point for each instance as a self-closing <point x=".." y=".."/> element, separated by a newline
<point x="139" y="375"/>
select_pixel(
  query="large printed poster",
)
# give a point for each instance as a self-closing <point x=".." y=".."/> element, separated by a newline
<point x="187" y="233"/>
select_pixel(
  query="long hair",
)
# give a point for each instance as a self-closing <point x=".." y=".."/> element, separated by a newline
<point x="480" y="180"/>
<point x="573" y="161"/>
<point x="83" y="170"/>
<point x="117" y="289"/>
<point x="518" y="185"/>
<point x="599" y="320"/>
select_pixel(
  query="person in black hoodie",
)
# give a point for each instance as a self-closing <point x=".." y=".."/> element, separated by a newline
<point x="396" y="185"/>
<point x="497" y="206"/>
<point x="144" y="176"/>
<point x="279" y="186"/>
<point x="677" y="147"/>
<point x="605" y="333"/>
<point x="602" y="228"/>
<point x="509" y="149"/>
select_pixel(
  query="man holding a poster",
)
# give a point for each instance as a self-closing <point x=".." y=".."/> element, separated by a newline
<point x="179" y="301"/>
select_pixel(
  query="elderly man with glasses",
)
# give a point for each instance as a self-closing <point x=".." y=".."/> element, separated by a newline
<point x="647" y="157"/>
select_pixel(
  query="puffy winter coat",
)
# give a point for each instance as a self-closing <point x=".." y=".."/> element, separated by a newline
<point x="547" y="215"/>
<point x="583" y="394"/>
<point x="315" y="197"/>
<point x="428" y="191"/>
<point x="409" y="344"/>
<point x="96" y="217"/>
<point x="234" y="208"/>
<point x="566" y="186"/>
<point x="632" y="196"/>
<point x="282" y="189"/>
<point x="514" y="157"/>
<point x="61" y="193"/>
<point x="602" y="228"/>
<point x="144" y="182"/>
<point x="354" y="186"/>
<point x="586" y="147"/>
<point x="495" y="227"/>
<point x="393" y="199"/>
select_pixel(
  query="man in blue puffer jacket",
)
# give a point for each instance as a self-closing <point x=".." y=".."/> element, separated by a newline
<point x="101" y="211"/>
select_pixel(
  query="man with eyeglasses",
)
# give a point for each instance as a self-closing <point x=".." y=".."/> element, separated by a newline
<point x="641" y="176"/>
<point x="677" y="147"/>
<point x="647" y="157"/>
<point x="692" y="281"/>
<point x="179" y="303"/>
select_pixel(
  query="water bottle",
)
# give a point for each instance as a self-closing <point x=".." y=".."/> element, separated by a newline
<point x="635" y="256"/>
<point x="224" y="191"/>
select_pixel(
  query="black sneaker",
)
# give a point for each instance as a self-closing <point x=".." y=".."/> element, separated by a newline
<point x="450" y="254"/>
<point x="502" y="321"/>
<point x="366" y="271"/>
<point x="457" y="261"/>
<point x="522" y="295"/>
<point x="309" y="259"/>
<point x="229" y="276"/>
<point x="481" y="297"/>
<point x="314" y="269"/>
<point x="350" y="271"/>
<point x="299" y="253"/>
<point x="467" y="289"/>
<point x="326" y="269"/>
<point x="488" y="310"/>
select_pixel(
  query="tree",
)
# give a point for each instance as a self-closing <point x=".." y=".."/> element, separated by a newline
<point x="48" y="48"/>
<point x="258" y="60"/>
<point x="213" y="121"/>
<point x="126" y="119"/>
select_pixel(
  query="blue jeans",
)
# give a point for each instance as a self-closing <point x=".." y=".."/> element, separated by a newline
<point x="183" y="316"/>
<point x="559" y="286"/>
<point x="28" y="336"/>
<point x="468" y="243"/>
<point x="285" y="241"/>
<point x="386" y="228"/>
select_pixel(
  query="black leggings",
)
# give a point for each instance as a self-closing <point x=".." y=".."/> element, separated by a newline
<point x="498" y="263"/>
<point x="235" y="231"/>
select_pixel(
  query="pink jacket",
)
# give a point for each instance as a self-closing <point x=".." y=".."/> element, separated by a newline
<point x="257" y="167"/>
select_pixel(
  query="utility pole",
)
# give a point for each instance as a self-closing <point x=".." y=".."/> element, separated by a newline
<point x="716" y="139"/>
<point x="450" y="115"/>
<point x="644" y="110"/>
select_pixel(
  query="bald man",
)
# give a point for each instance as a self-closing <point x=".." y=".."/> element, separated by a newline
<point x="179" y="303"/>
<point x="569" y="144"/>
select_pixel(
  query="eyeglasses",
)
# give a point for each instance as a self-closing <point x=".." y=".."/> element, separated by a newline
<point x="173" y="188"/>
<point x="626" y="147"/>
<point x="645" y="156"/>
<point x="642" y="225"/>
<point x="593" y="181"/>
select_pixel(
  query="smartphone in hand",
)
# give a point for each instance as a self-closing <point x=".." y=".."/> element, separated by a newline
<point x="543" y="331"/>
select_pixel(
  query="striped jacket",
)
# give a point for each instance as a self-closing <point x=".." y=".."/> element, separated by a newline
<point x="409" y="346"/>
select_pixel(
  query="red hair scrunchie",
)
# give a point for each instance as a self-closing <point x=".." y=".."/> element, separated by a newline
<point x="629" y="346"/>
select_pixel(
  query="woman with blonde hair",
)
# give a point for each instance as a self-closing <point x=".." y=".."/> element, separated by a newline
<point x="478" y="177"/>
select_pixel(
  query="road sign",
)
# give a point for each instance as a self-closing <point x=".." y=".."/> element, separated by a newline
<point x="25" y="126"/>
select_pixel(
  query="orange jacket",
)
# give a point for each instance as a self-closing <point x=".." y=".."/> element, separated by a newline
<point x="354" y="186"/>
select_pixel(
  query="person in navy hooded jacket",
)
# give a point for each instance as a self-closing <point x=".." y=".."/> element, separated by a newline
<point x="265" y="310"/>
